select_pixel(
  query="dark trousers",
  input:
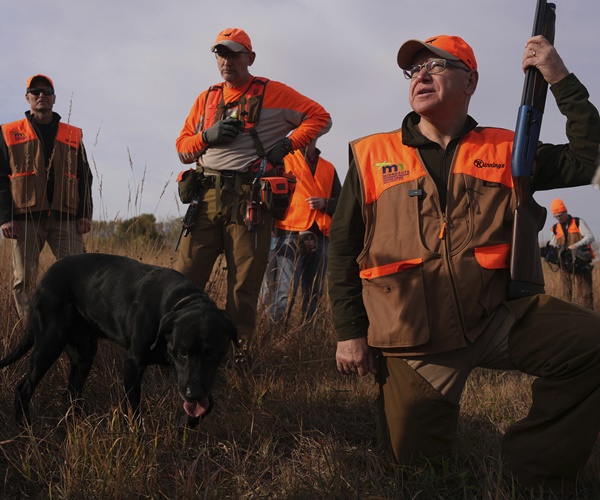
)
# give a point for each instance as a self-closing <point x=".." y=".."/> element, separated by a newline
<point x="553" y="340"/>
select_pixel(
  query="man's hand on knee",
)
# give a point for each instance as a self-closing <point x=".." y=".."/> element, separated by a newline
<point x="11" y="230"/>
<point x="355" y="356"/>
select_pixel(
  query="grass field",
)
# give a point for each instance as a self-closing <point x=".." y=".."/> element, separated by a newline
<point x="292" y="429"/>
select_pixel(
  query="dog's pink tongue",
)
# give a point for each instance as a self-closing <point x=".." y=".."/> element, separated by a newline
<point x="197" y="408"/>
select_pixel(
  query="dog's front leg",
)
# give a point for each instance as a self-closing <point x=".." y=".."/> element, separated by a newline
<point x="133" y="384"/>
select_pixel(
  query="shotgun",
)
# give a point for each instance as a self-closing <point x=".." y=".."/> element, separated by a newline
<point x="188" y="220"/>
<point x="526" y="274"/>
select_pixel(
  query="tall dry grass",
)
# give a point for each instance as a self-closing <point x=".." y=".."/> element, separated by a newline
<point x="294" y="428"/>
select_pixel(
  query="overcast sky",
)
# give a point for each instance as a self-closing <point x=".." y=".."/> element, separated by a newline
<point x="127" y="72"/>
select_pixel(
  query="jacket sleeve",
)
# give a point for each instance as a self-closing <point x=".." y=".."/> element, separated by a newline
<point x="553" y="242"/>
<point x="572" y="164"/>
<point x="84" y="174"/>
<point x="6" y="201"/>
<point x="332" y="201"/>
<point x="189" y="144"/>
<point x="346" y="242"/>
<point x="587" y="237"/>
<point x="307" y="117"/>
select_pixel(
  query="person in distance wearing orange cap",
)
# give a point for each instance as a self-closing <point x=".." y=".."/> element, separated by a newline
<point x="418" y="269"/>
<point x="230" y="129"/>
<point x="573" y="234"/>
<point x="45" y="187"/>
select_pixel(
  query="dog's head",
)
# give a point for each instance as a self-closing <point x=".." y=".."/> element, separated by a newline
<point x="198" y="336"/>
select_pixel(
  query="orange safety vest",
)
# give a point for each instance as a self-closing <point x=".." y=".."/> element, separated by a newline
<point x="28" y="165"/>
<point x="248" y="106"/>
<point x="432" y="274"/>
<point x="573" y="235"/>
<point x="300" y="217"/>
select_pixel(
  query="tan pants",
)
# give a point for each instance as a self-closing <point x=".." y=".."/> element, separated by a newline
<point x="577" y="288"/>
<point x="543" y="336"/>
<point x="62" y="238"/>
<point x="246" y="253"/>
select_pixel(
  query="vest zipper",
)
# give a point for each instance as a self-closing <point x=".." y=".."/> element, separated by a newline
<point x="445" y="236"/>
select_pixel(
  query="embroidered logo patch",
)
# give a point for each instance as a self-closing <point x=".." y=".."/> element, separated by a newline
<point x="392" y="172"/>
<point x="483" y="164"/>
<point x="19" y="136"/>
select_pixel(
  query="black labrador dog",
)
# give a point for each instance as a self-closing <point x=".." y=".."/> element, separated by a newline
<point x="156" y="313"/>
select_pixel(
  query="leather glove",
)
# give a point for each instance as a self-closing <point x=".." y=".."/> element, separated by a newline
<point x="222" y="132"/>
<point x="282" y="148"/>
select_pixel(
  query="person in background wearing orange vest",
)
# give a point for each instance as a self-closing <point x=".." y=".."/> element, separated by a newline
<point x="45" y="187"/>
<point x="418" y="270"/>
<point x="235" y="131"/>
<point x="301" y="245"/>
<point x="573" y="233"/>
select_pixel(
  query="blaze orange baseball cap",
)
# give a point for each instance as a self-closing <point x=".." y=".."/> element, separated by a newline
<point x="234" y="39"/>
<point x="448" y="47"/>
<point x="557" y="206"/>
<point x="31" y="78"/>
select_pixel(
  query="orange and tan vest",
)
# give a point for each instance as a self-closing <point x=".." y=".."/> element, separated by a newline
<point x="432" y="275"/>
<point x="28" y="165"/>
<point x="248" y="107"/>
<point x="300" y="216"/>
<point x="572" y="237"/>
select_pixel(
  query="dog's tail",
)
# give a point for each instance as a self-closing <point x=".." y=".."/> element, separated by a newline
<point x="22" y="348"/>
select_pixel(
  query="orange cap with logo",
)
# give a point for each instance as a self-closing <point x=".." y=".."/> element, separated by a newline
<point x="557" y="206"/>
<point x="40" y="76"/>
<point x="235" y="39"/>
<point x="448" y="47"/>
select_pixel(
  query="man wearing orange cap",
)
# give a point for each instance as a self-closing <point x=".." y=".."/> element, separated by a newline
<point x="574" y="235"/>
<point x="418" y="261"/>
<point x="45" y="187"/>
<point x="232" y="127"/>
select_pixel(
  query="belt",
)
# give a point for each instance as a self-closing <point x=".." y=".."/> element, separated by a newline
<point x="229" y="180"/>
<point x="227" y="174"/>
<point x="283" y="232"/>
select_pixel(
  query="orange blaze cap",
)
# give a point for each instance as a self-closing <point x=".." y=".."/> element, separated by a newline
<point x="557" y="206"/>
<point x="234" y="39"/>
<point x="31" y="78"/>
<point x="448" y="47"/>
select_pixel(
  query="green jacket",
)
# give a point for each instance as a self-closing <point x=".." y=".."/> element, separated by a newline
<point x="557" y="166"/>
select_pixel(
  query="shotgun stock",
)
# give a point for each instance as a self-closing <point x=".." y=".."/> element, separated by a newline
<point x="526" y="274"/>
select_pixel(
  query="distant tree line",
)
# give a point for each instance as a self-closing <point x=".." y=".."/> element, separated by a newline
<point x="142" y="229"/>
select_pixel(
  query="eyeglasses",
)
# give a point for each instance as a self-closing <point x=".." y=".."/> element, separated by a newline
<point x="37" y="92"/>
<point x="432" y="67"/>
<point x="228" y="54"/>
<point x="560" y="215"/>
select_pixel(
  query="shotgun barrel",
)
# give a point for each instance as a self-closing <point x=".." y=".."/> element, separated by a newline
<point x="526" y="274"/>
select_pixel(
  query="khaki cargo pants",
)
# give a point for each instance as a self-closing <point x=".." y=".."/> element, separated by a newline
<point x="578" y="288"/>
<point x="62" y="238"/>
<point x="220" y="230"/>
<point x="556" y="341"/>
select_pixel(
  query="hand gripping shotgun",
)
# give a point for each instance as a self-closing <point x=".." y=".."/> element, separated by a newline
<point x="526" y="274"/>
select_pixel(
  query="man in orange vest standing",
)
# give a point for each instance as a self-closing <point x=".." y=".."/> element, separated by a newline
<point x="237" y="131"/>
<point x="418" y="270"/>
<point x="45" y="187"/>
<point x="574" y="235"/>
<point x="299" y="255"/>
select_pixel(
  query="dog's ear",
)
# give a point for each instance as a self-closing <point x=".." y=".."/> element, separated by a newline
<point x="228" y="325"/>
<point x="164" y="328"/>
